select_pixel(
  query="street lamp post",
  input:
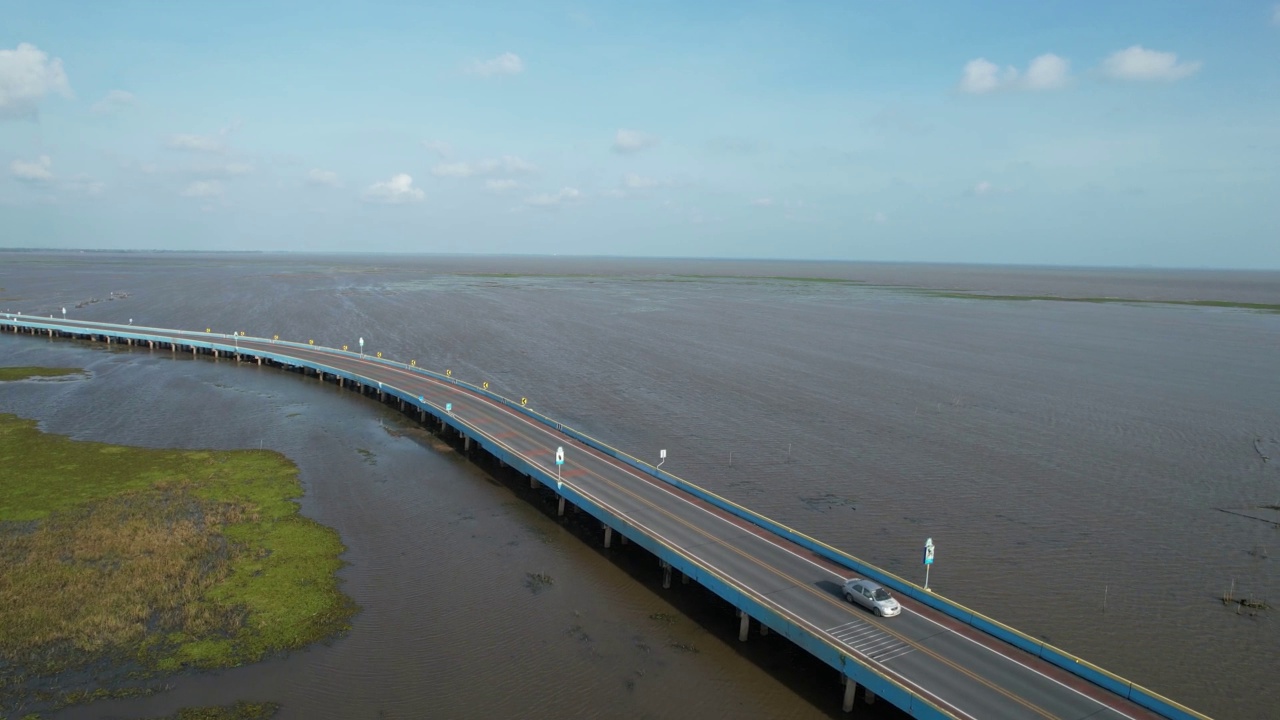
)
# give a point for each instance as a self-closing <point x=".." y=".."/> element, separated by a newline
<point x="361" y="347"/>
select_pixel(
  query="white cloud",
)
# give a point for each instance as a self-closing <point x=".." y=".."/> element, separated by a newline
<point x="85" y="184"/>
<point x="633" y="141"/>
<point x="983" y="76"/>
<point x="203" y="189"/>
<point x="113" y="101"/>
<point x="398" y="190"/>
<point x="326" y="178"/>
<point x="441" y="149"/>
<point x="880" y="218"/>
<point x="225" y="170"/>
<point x="762" y="202"/>
<point x="39" y="170"/>
<point x="1046" y="72"/>
<point x="505" y="64"/>
<point x="27" y="74"/>
<point x="505" y="165"/>
<point x="197" y="143"/>
<point x="982" y="188"/>
<point x="631" y="181"/>
<point x="500" y="185"/>
<point x="1139" y="63"/>
<point x="551" y="200"/>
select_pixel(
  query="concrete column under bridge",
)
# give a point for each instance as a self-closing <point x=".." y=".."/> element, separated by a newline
<point x="560" y="510"/>
<point x="744" y="626"/>
<point x="608" y="536"/>
<point x="850" y="689"/>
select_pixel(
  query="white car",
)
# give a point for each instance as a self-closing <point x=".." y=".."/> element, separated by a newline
<point x="871" y="596"/>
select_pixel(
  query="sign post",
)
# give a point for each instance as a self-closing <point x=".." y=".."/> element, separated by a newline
<point x="64" y="313"/>
<point x="448" y="408"/>
<point x="928" y="560"/>
<point x="361" y="347"/>
<point x="662" y="457"/>
<point x="559" y="462"/>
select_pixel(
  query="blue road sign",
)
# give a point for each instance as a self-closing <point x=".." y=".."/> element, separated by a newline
<point x="928" y="551"/>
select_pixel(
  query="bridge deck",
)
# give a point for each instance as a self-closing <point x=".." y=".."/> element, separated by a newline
<point x="957" y="669"/>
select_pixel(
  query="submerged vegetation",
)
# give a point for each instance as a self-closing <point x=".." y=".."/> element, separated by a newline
<point x="238" y="711"/>
<point x="120" y="563"/>
<point x="22" y="373"/>
<point x="1264" y="307"/>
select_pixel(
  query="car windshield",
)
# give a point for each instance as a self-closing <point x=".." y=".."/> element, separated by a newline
<point x="881" y="595"/>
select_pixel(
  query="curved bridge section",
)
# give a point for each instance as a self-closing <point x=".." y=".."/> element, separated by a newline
<point x="937" y="659"/>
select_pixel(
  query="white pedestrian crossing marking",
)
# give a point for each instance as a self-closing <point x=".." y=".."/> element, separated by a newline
<point x="869" y="640"/>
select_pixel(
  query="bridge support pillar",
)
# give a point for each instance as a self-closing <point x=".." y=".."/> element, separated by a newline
<point x="424" y="415"/>
<point x="744" y="626"/>
<point x="151" y="344"/>
<point x="560" y="510"/>
<point x="764" y="629"/>
<point x="608" y="536"/>
<point x="666" y="574"/>
<point x="466" y="444"/>
<point x="533" y="483"/>
<point x="869" y="695"/>
<point x="622" y="538"/>
<point x="850" y="687"/>
<point x="259" y="360"/>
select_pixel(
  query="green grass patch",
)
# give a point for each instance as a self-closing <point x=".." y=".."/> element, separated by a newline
<point x="9" y="374"/>
<point x="1263" y="307"/>
<point x="238" y="711"/>
<point x="131" y="562"/>
<point x="780" y="278"/>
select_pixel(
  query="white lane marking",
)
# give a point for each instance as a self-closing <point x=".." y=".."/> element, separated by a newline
<point x="870" y="640"/>
<point x="654" y="483"/>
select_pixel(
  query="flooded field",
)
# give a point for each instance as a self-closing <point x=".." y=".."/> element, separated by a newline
<point x="1071" y="461"/>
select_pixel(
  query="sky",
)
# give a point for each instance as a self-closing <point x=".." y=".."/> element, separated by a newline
<point x="1082" y="132"/>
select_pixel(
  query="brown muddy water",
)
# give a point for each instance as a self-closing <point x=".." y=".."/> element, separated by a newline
<point x="1069" y="460"/>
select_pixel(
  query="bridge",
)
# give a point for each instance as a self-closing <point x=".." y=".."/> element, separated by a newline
<point x="937" y="659"/>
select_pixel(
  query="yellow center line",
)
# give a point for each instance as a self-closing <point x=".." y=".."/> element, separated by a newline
<point x="506" y="415"/>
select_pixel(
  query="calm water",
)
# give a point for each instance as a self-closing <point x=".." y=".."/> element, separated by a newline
<point x="1068" y="459"/>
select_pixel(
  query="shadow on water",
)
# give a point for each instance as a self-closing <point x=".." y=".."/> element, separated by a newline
<point x="811" y="679"/>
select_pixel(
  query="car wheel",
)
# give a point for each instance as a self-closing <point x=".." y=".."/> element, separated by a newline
<point x="879" y="612"/>
<point x="848" y="597"/>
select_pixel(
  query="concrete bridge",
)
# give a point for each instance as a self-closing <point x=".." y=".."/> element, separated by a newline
<point x="937" y="659"/>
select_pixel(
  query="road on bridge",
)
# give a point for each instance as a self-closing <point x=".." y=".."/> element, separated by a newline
<point x="960" y="669"/>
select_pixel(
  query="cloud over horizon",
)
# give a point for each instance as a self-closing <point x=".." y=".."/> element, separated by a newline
<point x="505" y="64"/>
<point x="39" y="170"/>
<point x="113" y="101"/>
<point x="1046" y="72"/>
<point x="629" y="142"/>
<point x="27" y="75"/>
<point x="553" y="200"/>
<point x="398" y="190"/>
<point x="1139" y="63"/>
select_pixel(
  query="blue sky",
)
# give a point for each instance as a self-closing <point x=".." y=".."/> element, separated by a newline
<point x="1083" y="133"/>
